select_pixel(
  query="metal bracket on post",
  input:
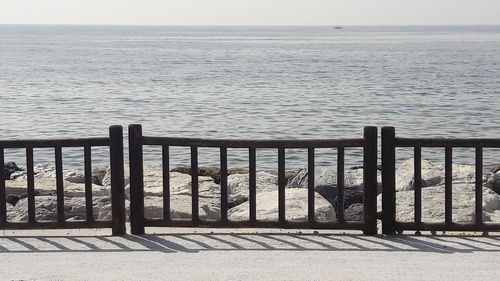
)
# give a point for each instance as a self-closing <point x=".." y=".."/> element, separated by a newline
<point x="136" y="179"/>
<point x="117" y="180"/>
<point x="370" y="180"/>
<point x="388" y="180"/>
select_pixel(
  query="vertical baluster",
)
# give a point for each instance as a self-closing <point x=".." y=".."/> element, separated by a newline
<point x="479" y="186"/>
<point x="3" y="199"/>
<point x="340" y="184"/>
<point x="166" y="181"/>
<point x="223" y="184"/>
<point x="281" y="185"/>
<point x="59" y="184"/>
<point x="31" y="185"/>
<point x="87" y="158"/>
<point x="194" y="184"/>
<point x="252" y="183"/>
<point x="418" y="183"/>
<point x="310" y="185"/>
<point x="448" y="176"/>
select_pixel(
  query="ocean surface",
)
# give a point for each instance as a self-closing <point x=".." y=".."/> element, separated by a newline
<point x="249" y="82"/>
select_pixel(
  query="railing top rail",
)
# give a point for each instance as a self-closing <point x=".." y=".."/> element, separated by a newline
<point x="446" y="142"/>
<point x="44" y="143"/>
<point x="242" y="143"/>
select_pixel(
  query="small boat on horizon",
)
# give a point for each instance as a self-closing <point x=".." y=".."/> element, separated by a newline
<point x="338" y="27"/>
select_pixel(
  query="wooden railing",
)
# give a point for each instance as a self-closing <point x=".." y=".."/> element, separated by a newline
<point x="389" y="144"/>
<point x="138" y="220"/>
<point x="115" y="144"/>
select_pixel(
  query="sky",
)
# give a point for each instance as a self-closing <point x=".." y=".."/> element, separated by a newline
<point x="251" y="12"/>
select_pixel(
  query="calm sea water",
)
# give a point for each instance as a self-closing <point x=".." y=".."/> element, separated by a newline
<point x="249" y="82"/>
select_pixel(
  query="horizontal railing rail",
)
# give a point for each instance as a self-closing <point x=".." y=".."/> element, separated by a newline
<point x="444" y="142"/>
<point x="389" y="144"/>
<point x="139" y="222"/>
<point x="115" y="144"/>
<point x="318" y="143"/>
<point x="50" y="143"/>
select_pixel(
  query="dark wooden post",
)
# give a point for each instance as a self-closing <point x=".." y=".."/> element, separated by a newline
<point x="370" y="180"/>
<point x="3" y="199"/>
<point x="117" y="180"/>
<point x="388" y="180"/>
<point x="136" y="179"/>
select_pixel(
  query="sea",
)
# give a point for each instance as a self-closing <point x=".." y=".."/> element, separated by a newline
<point x="249" y="82"/>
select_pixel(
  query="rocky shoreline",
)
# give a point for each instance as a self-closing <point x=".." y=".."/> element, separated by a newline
<point x="267" y="193"/>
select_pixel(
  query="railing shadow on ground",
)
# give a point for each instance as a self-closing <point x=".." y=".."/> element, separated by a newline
<point x="212" y="242"/>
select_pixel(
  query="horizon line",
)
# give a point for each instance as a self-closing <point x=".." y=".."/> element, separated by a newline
<point x="245" y="25"/>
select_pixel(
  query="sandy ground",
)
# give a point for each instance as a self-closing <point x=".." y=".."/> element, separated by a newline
<point x="194" y="254"/>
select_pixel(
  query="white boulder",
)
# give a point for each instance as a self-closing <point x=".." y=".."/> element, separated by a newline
<point x="432" y="174"/>
<point x="46" y="208"/>
<point x="433" y="203"/>
<point x="295" y="207"/>
<point x="238" y="185"/>
<point x="181" y="207"/>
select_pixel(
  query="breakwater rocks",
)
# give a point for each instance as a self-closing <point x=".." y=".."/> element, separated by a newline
<point x="267" y="193"/>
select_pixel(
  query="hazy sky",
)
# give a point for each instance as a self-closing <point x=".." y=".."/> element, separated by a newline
<point x="251" y="12"/>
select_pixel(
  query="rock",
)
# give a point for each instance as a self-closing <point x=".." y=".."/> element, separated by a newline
<point x="48" y="171"/>
<point x="46" y="208"/>
<point x="432" y="174"/>
<point x="433" y="203"/>
<point x="182" y="170"/>
<point x="295" y="206"/>
<point x="78" y="190"/>
<point x="238" y="186"/>
<point x="493" y="182"/>
<point x="105" y="210"/>
<point x="379" y="168"/>
<point x="106" y="180"/>
<point x="13" y="199"/>
<point x="232" y="171"/>
<point x="9" y="168"/>
<point x="288" y="174"/>
<point x="352" y="195"/>
<point x="98" y="174"/>
<point x="328" y="176"/>
<point x="180" y="207"/>
<point x="47" y="186"/>
<point x="495" y="169"/>
<point x="180" y="184"/>
<point x="9" y="208"/>
<point x="213" y="172"/>
<point x="18" y="174"/>
<point x="74" y="177"/>
<point x="354" y="212"/>
<point x="43" y="186"/>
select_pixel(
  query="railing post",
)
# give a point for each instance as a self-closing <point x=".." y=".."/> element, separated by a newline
<point x="136" y="179"/>
<point x="388" y="180"/>
<point x="117" y="179"/>
<point x="370" y="180"/>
